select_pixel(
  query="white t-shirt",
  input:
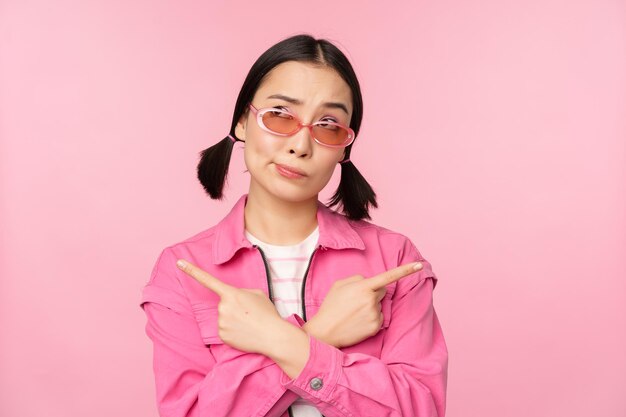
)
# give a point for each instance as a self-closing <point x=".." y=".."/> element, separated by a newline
<point x="287" y="265"/>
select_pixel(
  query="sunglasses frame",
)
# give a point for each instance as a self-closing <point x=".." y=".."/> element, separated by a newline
<point x="259" y="118"/>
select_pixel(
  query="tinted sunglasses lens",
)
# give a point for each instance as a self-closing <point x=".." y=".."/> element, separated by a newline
<point x="279" y="122"/>
<point x="331" y="134"/>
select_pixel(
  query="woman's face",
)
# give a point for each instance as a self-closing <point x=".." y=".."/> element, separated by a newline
<point x="263" y="152"/>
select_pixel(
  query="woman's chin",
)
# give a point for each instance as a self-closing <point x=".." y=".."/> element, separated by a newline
<point x="292" y="193"/>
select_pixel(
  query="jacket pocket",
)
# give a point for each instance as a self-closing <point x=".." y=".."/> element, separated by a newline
<point x="207" y="318"/>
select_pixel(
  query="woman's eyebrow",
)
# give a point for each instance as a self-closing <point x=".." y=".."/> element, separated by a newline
<point x="331" y="105"/>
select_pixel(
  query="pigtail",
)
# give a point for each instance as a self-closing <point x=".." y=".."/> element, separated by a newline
<point x="354" y="193"/>
<point x="213" y="167"/>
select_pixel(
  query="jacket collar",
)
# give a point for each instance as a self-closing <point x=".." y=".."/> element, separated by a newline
<point x="335" y="231"/>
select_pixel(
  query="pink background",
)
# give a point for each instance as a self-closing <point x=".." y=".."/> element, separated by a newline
<point x="493" y="133"/>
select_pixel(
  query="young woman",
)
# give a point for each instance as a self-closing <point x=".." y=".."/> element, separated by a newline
<point x="286" y="307"/>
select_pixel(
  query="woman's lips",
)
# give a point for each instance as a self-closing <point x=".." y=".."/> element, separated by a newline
<point x="289" y="172"/>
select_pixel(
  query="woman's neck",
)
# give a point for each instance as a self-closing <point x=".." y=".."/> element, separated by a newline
<point x="279" y="222"/>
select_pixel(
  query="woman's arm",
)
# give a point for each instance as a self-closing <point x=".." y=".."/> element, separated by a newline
<point x="409" y="378"/>
<point x="189" y="381"/>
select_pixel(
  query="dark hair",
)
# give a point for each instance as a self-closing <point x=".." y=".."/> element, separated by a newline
<point x="354" y="193"/>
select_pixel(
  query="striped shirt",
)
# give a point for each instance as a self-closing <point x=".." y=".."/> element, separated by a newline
<point x="287" y="265"/>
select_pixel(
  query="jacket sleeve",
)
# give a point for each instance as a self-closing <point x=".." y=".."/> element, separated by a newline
<point x="409" y="378"/>
<point x="189" y="382"/>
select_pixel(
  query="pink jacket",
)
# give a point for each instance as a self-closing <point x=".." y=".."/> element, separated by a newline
<point x="401" y="371"/>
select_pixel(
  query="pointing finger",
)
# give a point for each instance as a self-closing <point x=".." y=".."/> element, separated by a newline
<point x="204" y="278"/>
<point x="379" y="281"/>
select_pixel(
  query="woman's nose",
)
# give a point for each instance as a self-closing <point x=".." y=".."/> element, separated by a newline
<point x="301" y="141"/>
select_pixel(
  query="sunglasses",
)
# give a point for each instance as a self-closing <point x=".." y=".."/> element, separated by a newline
<point x="283" y="123"/>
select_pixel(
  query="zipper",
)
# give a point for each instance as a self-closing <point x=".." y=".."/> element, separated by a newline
<point x="304" y="281"/>
<point x="267" y="273"/>
<point x="306" y="273"/>
<point x="269" y="288"/>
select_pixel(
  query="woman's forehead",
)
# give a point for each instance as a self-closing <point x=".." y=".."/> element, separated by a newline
<point x="306" y="83"/>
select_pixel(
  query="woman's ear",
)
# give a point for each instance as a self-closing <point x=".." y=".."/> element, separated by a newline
<point x="240" y="128"/>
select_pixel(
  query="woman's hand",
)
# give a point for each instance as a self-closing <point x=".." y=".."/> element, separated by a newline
<point x="351" y="311"/>
<point x="247" y="319"/>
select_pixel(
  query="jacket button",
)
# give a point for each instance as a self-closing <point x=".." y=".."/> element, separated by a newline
<point x="316" y="383"/>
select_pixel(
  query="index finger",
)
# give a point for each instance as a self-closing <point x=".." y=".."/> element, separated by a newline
<point x="385" y="278"/>
<point x="204" y="278"/>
